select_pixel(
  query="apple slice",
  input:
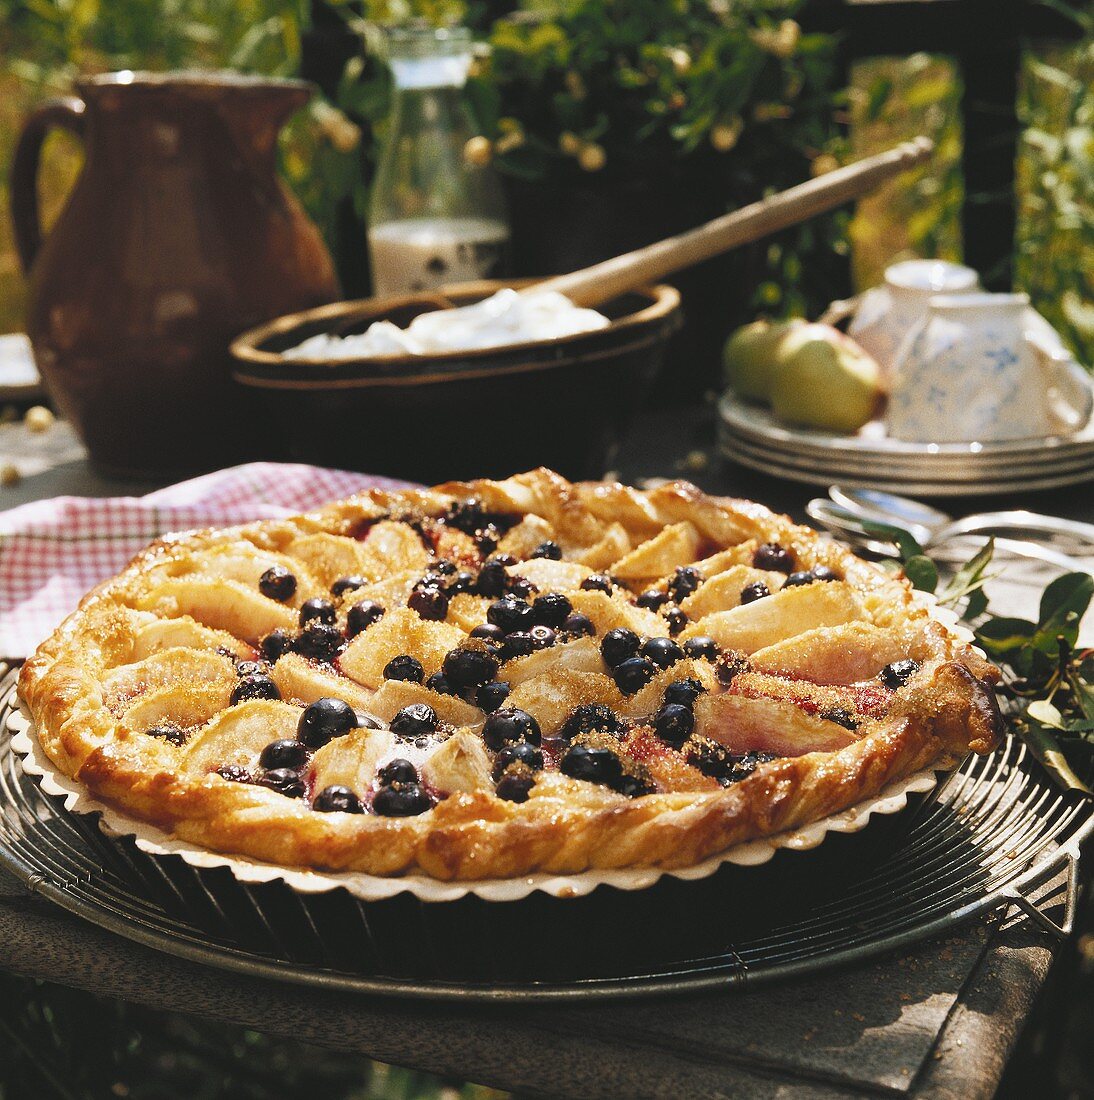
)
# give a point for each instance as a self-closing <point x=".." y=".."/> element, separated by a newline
<point x="303" y="682"/>
<point x="222" y="605"/>
<point x="766" y="725"/>
<point x="842" y="654"/>
<point x="787" y="613"/>
<point x="723" y="591"/>
<point x="460" y="764"/>
<point x="351" y="761"/>
<point x="399" y="631"/>
<point x="239" y="734"/>
<point x="393" y="695"/>
<point x="184" y="632"/>
<point x="658" y="556"/>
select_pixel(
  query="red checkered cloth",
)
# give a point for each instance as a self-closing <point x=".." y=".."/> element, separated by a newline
<point x="53" y="551"/>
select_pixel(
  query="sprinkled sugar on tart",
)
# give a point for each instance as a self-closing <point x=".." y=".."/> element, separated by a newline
<point x="493" y="678"/>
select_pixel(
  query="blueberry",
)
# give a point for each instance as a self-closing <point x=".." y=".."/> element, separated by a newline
<point x="675" y="617"/>
<point x="652" y="599"/>
<point x="235" y="773"/>
<point x="319" y="642"/>
<point x="169" y="731"/>
<point x="592" y="716"/>
<point x="491" y="696"/>
<point x="440" y="683"/>
<point x="520" y="753"/>
<point x="486" y="540"/>
<point x="319" y="609"/>
<point x="517" y="644"/>
<point x="405" y="801"/>
<point x="591" y="765"/>
<point x="757" y="590"/>
<point x="683" y="692"/>
<point x="430" y="603"/>
<point x="632" y="786"/>
<point x="493" y="579"/>
<point x="823" y="573"/>
<point x="337" y="799"/>
<point x="701" y="647"/>
<point x="461" y="582"/>
<point x="276" y="644"/>
<point x="362" y="615"/>
<point x="504" y="559"/>
<point x="466" y="668"/>
<point x="549" y="550"/>
<point x="284" y="781"/>
<point x="803" y="576"/>
<point x="729" y="665"/>
<point x="841" y="716"/>
<point x="719" y="763"/>
<point x="774" y="558"/>
<point x="324" y="720"/>
<point x="617" y="645"/>
<point x="634" y="674"/>
<point x="898" y="673"/>
<point x="664" y="652"/>
<point x="684" y="581"/>
<point x="522" y="588"/>
<point x="397" y="771"/>
<point x="277" y="583"/>
<point x="514" y="787"/>
<point x="509" y="725"/>
<point x="581" y="626"/>
<point x="510" y="614"/>
<point x="674" y="723"/>
<point x="598" y="582"/>
<point x="254" y="687"/>
<point x="467" y="516"/>
<point x="415" y="720"/>
<point x="552" y="609"/>
<point x="489" y="632"/>
<point x="444" y="568"/>
<point x="284" y="753"/>
<point x="347" y="584"/>
<point x="404" y="667"/>
<point x="543" y="637"/>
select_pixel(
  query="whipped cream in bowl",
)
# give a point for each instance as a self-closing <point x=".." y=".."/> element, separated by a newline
<point x="501" y="320"/>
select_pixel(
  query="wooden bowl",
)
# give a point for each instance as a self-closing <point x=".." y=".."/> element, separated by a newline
<point x="560" y="403"/>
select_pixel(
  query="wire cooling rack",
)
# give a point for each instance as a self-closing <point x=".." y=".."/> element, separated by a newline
<point x="992" y="833"/>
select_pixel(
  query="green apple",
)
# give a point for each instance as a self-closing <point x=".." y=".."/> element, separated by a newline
<point x="823" y="379"/>
<point x="749" y="357"/>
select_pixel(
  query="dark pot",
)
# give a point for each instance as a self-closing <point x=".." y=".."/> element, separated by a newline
<point x="559" y="403"/>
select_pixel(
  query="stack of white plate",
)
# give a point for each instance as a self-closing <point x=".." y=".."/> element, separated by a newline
<point x="750" y="435"/>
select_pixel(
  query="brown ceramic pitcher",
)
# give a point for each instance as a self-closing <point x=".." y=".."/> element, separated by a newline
<point x="177" y="236"/>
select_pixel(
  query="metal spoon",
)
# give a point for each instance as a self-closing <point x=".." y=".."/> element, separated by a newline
<point x="936" y="526"/>
<point x="881" y="536"/>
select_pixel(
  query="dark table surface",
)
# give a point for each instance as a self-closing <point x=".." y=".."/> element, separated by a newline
<point x="938" y="1021"/>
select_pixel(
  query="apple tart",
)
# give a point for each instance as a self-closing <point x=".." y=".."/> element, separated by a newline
<point x="494" y="678"/>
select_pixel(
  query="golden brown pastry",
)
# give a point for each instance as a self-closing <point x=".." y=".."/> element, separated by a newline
<point x="493" y="678"/>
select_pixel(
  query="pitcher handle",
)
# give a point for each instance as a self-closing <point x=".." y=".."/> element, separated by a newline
<point x="66" y="112"/>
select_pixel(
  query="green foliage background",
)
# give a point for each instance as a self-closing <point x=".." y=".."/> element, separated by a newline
<point x="616" y="83"/>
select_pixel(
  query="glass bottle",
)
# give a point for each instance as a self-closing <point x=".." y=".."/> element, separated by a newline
<point x="434" y="217"/>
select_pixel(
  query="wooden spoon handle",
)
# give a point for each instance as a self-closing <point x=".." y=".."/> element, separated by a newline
<point x="593" y="285"/>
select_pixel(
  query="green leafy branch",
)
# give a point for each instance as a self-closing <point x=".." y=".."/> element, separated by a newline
<point x="1048" y="679"/>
